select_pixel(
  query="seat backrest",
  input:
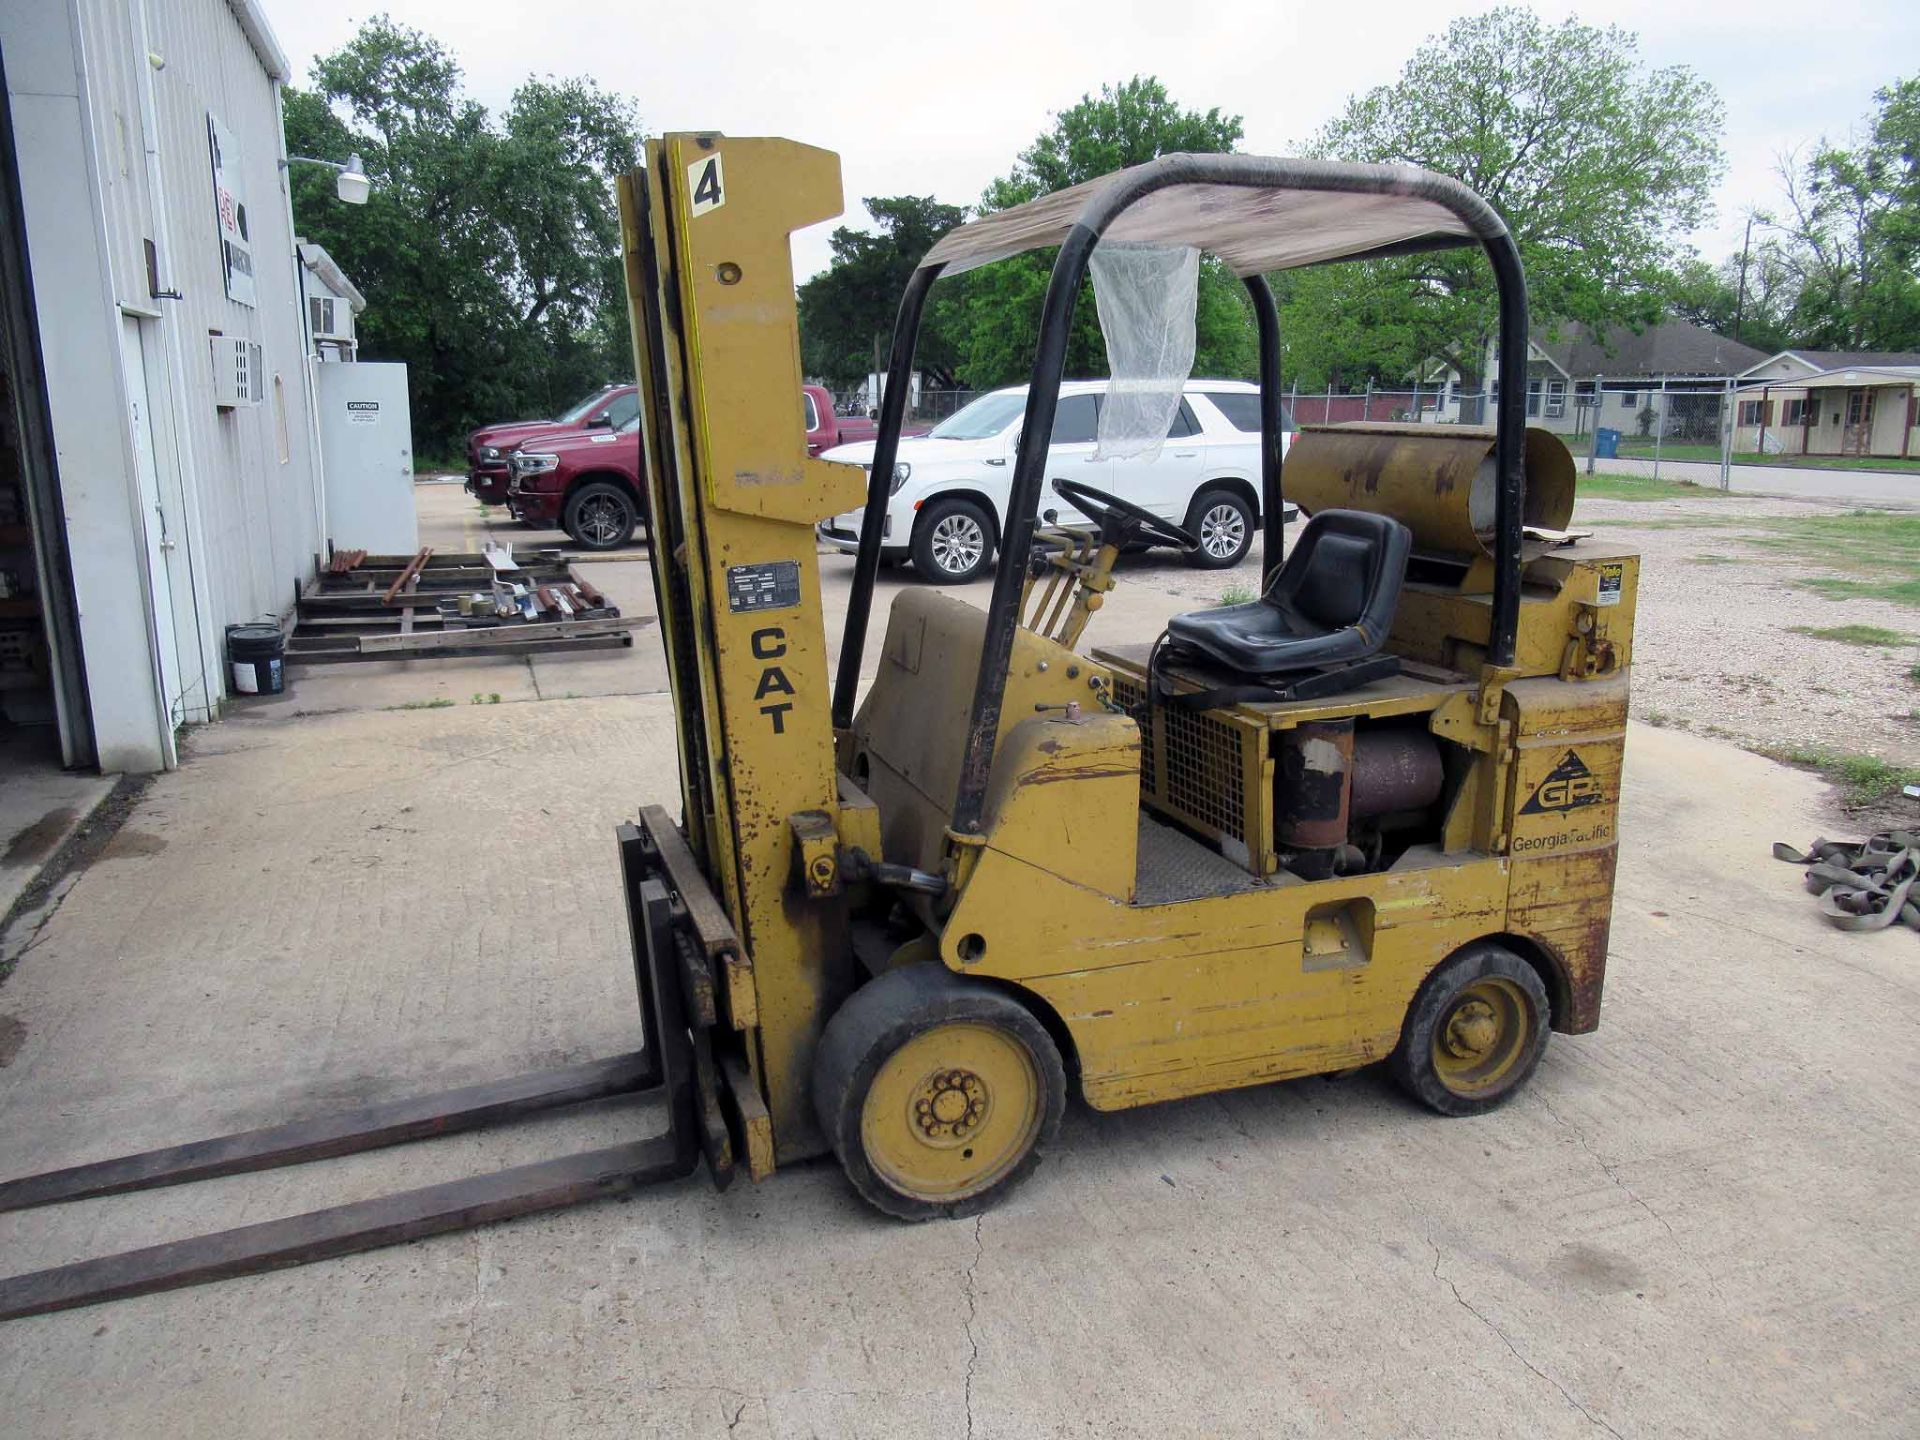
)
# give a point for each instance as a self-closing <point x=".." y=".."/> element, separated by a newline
<point x="1345" y="570"/>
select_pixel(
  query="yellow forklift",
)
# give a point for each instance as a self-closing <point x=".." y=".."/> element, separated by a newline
<point x="1369" y="816"/>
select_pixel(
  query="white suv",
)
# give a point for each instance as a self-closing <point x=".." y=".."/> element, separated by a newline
<point x="950" y="486"/>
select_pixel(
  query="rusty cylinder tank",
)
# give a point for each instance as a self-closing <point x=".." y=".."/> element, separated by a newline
<point x="1314" y="785"/>
<point x="1394" y="769"/>
<point x="1437" y="480"/>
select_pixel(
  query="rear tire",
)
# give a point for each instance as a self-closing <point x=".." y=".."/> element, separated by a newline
<point x="600" y="516"/>
<point x="1474" y="1033"/>
<point x="1224" y="523"/>
<point x="952" y="541"/>
<point x="939" y="1094"/>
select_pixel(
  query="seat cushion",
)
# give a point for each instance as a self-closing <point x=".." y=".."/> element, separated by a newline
<point x="1336" y="587"/>
<point x="1331" y="603"/>
<point x="1262" y="639"/>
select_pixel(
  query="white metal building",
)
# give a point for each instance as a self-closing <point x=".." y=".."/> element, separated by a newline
<point x="159" y="428"/>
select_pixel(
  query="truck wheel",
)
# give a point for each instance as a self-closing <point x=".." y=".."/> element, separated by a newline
<point x="1223" y="521"/>
<point x="599" y="516"/>
<point x="939" y="1094"/>
<point x="953" y="541"/>
<point x="1474" y="1033"/>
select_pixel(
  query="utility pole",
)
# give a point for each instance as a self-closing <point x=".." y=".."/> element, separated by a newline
<point x="1740" y="299"/>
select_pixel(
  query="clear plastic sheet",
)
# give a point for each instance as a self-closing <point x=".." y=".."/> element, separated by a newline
<point x="1146" y="296"/>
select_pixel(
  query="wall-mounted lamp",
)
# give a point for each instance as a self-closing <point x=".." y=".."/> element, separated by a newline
<point x="350" y="181"/>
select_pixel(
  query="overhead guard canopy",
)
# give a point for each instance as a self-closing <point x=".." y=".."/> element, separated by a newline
<point x="1250" y="210"/>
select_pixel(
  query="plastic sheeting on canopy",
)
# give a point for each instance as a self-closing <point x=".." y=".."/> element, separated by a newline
<point x="1146" y="296"/>
<point x="1256" y="214"/>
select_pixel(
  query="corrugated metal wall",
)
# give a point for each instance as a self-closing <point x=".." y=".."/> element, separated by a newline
<point x="254" y="493"/>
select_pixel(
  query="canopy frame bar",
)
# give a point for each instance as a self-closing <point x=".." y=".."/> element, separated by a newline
<point x="1104" y="205"/>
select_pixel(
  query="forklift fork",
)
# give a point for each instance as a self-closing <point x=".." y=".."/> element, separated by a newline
<point x="672" y="942"/>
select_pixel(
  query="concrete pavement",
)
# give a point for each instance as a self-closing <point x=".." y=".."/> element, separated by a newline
<point x="1697" y="1221"/>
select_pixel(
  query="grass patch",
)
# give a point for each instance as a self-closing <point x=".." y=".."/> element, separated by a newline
<point x="1636" y="448"/>
<point x="1899" y="592"/>
<point x="492" y="698"/>
<point x="437" y="704"/>
<point x="1875" y="553"/>
<point x="1235" y="595"/>
<point x="1713" y="560"/>
<point x="1852" y="634"/>
<point x="1635" y="487"/>
<point x="1861" y="779"/>
<point x="1913" y="674"/>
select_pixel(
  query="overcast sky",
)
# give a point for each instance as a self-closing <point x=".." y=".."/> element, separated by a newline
<point x="938" y="99"/>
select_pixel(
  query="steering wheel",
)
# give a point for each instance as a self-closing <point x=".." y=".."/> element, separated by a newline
<point x="1119" y="520"/>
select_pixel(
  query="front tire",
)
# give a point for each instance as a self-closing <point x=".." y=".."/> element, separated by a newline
<point x="1474" y="1033"/>
<point x="939" y="1094"/>
<point x="953" y="541"/>
<point x="1224" y="523"/>
<point x="600" y="516"/>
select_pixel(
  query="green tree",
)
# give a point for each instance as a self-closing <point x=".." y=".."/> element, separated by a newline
<point x="489" y="249"/>
<point x="1852" y="238"/>
<point x="1752" y="308"/>
<point x="852" y="302"/>
<point x="1596" y="163"/>
<point x="993" y="314"/>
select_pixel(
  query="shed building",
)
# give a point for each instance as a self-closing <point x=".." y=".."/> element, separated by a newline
<point x="158" y="447"/>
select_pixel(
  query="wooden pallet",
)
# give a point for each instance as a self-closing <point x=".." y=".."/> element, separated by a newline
<point x="387" y="607"/>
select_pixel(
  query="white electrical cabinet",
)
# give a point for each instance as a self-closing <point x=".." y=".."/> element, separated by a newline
<point x="366" y="441"/>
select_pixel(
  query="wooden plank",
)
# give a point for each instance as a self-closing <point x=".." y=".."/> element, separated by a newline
<point x="411" y="573"/>
<point x="371" y="1127"/>
<point x="486" y="637"/>
<point x="347" y="1229"/>
<point x="522" y="647"/>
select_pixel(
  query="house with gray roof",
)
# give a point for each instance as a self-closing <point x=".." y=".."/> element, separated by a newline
<point x="1668" y="377"/>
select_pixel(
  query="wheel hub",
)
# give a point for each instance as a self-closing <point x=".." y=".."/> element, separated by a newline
<point x="1221" y="531"/>
<point x="1472" y="1031"/>
<point x="948" y="1106"/>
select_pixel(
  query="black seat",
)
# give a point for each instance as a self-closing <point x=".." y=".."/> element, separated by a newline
<point x="1329" y="608"/>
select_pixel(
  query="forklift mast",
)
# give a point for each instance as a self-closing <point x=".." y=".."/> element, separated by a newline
<point x="734" y="497"/>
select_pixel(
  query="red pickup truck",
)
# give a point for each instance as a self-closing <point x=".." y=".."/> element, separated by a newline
<point x="490" y="448"/>
<point x="587" y="481"/>
<point x="826" y="429"/>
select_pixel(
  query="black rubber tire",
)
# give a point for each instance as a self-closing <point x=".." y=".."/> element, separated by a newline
<point x="600" y="492"/>
<point x="876" y="1020"/>
<point x="1412" y="1062"/>
<point x="929" y="521"/>
<point x="1206" y="500"/>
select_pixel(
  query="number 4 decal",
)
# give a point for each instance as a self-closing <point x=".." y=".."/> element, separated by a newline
<point x="707" y="182"/>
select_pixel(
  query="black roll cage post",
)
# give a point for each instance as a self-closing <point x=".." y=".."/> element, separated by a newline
<point x="1063" y="290"/>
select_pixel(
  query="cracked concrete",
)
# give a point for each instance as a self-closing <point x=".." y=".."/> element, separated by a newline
<point x="1696" y="1222"/>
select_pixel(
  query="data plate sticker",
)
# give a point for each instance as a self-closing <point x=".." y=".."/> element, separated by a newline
<point x="764" y="587"/>
<point x="1612" y="577"/>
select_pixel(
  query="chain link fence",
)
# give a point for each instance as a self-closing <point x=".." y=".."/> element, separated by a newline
<point x="1662" y="420"/>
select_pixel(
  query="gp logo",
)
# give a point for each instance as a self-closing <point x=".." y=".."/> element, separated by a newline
<point x="1568" y="786"/>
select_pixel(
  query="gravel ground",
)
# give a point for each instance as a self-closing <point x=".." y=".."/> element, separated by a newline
<point x="1714" y="650"/>
<point x="1715" y="645"/>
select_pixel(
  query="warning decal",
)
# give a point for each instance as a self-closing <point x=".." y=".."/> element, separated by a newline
<point x="1612" y="577"/>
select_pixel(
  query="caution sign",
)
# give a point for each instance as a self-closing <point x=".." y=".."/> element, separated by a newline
<point x="1613" y="576"/>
